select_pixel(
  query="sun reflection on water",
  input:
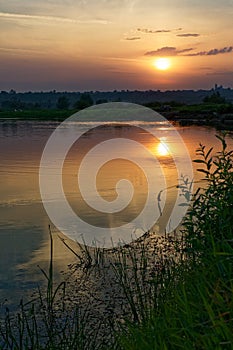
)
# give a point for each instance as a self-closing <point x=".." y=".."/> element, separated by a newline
<point x="162" y="149"/>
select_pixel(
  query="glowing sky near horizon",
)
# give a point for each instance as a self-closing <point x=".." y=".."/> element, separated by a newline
<point x="105" y="45"/>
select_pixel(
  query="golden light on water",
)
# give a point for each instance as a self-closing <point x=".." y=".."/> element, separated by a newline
<point x="162" y="149"/>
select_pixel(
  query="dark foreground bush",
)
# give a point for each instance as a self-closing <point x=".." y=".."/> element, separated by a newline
<point x="195" y="306"/>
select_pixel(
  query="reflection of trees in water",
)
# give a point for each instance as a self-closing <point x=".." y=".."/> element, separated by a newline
<point x="16" y="128"/>
<point x="9" y="129"/>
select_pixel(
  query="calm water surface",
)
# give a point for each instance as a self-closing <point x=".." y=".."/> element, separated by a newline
<point x="23" y="220"/>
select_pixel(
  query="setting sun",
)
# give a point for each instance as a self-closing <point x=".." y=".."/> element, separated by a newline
<point x="162" y="63"/>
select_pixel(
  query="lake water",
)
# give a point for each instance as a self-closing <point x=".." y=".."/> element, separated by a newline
<point x="24" y="239"/>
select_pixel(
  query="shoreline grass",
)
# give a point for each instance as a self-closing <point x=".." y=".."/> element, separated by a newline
<point x="37" y="114"/>
<point x="206" y="113"/>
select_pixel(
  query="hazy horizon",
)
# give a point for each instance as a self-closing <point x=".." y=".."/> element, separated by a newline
<point x="106" y="91"/>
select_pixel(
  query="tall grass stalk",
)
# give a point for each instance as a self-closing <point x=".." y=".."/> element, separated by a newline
<point x="47" y="321"/>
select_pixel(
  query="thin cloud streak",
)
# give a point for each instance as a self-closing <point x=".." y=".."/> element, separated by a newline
<point x="212" y="52"/>
<point x="133" y="38"/>
<point x="19" y="50"/>
<point x="167" y="51"/>
<point x="151" y="31"/>
<point x="221" y="73"/>
<point x="6" y="15"/>
<point x="173" y="51"/>
<point x="187" y="35"/>
<point x="157" y="31"/>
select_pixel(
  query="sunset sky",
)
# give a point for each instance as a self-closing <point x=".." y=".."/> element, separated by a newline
<point x="78" y="45"/>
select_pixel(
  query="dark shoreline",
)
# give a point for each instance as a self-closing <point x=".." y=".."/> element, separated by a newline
<point x="221" y="121"/>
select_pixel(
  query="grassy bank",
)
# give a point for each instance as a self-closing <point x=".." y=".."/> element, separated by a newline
<point x="37" y="114"/>
<point x="173" y="292"/>
<point x="205" y="113"/>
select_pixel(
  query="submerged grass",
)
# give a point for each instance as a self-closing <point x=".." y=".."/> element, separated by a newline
<point x="171" y="292"/>
<point x="46" y="322"/>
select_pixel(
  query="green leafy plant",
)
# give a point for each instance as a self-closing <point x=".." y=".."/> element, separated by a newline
<point x="195" y="306"/>
<point x="211" y="215"/>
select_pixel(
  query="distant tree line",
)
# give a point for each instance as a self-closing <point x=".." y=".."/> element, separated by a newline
<point x="83" y="102"/>
<point x="63" y="102"/>
<point x="17" y="104"/>
<point x="215" y="98"/>
<point x="12" y="100"/>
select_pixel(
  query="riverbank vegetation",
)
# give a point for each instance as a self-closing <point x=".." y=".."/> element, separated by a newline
<point x="168" y="292"/>
<point x="214" y="109"/>
<point x="36" y="114"/>
<point x="195" y="304"/>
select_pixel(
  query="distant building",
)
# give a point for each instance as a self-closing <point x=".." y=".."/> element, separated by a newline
<point x="217" y="88"/>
